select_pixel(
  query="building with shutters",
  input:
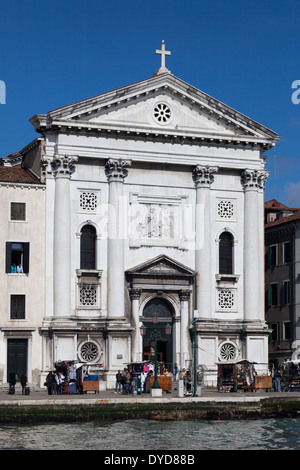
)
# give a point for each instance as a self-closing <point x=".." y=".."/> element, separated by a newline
<point x="22" y="261"/>
<point x="282" y="261"/>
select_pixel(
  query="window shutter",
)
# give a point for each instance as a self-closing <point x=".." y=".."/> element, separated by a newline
<point x="26" y="258"/>
<point x="8" y="257"/>
<point x="269" y="295"/>
<point x="269" y="256"/>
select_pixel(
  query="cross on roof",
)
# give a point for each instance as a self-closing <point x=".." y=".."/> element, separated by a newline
<point x="162" y="51"/>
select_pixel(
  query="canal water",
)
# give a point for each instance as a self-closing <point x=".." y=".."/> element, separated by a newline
<point x="269" y="434"/>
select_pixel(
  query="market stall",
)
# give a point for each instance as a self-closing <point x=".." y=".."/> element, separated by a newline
<point x="236" y="376"/>
<point x="227" y="377"/>
<point x="90" y="378"/>
<point x="78" y="377"/>
<point x="245" y="373"/>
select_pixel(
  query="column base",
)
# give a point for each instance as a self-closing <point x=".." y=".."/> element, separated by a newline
<point x="156" y="392"/>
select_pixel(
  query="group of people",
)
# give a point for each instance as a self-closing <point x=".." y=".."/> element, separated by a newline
<point x="16" y="269"/>
<point x="126" y="379"/>
<point x="12" y="383"/>
<point x="185" y="375"/>
<point x="54" y="381"/>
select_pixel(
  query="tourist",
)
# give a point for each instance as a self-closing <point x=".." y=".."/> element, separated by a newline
<point x="13" y="268"/>
<point x="59" y="381"/>
<point x="277" y="381"/>
<point x="48" y="383"/>
<point x="23" y="383"/>
<point x="126" y="381"/>
<point x="12" y="383"/>
<point x="118" y="382"/>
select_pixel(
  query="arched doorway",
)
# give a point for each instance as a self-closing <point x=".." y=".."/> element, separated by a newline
<point x="157" y="314"/>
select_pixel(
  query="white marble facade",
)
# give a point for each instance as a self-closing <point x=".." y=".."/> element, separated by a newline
<point x="158" y="171"/>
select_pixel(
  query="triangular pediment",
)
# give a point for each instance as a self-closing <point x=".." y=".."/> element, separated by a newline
<point x="160" y="267"/>
<point x="162" y="105"/>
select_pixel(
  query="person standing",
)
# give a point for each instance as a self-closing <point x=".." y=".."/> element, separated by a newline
<point x="118" y="382"/>
<point x="23" y="383"/>
<point x="59" y="381"/>
<point x="12" y="382"/>
<point x="277" y="377"/>
<point x="126" y="380"/>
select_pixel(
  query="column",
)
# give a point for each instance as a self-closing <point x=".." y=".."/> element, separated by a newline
<point x="253" y="181"/>
<point x="116" y="173"/>
<point x="136" y="339"/>
<point x="203" y="178"/>
<point x="62" y="167"/>
<point x="184" y="297"/>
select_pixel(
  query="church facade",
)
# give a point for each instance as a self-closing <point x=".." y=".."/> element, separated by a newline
<point x="154" y="216"/>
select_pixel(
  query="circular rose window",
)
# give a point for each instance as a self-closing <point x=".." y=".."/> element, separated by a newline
<point x="227" y="352"/>
<point x="162" y="113"/>
<point x="89" y="352"/>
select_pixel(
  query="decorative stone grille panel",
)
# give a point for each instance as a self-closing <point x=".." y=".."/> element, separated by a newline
<point x="88" y="201"/>
<point x="225" y="209"/>
<point x="226" y="299"/>
<point x="88" y="296"/>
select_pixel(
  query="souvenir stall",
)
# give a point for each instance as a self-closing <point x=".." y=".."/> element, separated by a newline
<point x="138" y="372"/>
<point x="237" y="376"/>
<point x="90" y="378"/>
<point x="78" y="377"/>
<point x="68" y="374"/>
<point x="226" y="377"/>
<point x="245" y="373"/>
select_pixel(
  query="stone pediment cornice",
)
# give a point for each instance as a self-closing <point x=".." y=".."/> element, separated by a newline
<point x="79" y="117"/>
<point x="160" y="267"/>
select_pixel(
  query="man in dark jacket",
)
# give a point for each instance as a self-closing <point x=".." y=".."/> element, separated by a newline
<point x="118" y="382"/>
<point x="12" y="382"/>
<point x="23" y="383"/>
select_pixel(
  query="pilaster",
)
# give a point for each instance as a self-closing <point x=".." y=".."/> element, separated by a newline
<point x="203" y="177"/>
<point x="253" y="182"/>
<point x="60" y="167"/>
<point x="116" y="172"/>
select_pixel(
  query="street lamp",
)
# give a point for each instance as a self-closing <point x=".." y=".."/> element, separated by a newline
<point x="155" y="335"/>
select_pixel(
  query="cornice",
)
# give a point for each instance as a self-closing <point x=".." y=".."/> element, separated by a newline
<point x="6" y="184"/>
<point x="71" y="118"/>
<point x="145" y="133"/>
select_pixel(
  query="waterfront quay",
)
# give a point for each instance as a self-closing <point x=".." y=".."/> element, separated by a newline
<point x="109" y="406"/>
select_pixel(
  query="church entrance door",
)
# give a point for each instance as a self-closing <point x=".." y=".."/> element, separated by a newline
<point x="156" y="315"/>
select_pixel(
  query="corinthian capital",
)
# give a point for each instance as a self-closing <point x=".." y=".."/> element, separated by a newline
<point x="203" y="175"/>
<point x="59" y="165"/>
<point x="254" y="179"/>
<point x="116" y="169"/>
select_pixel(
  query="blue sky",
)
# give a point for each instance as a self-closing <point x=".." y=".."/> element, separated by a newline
<point x="244" y="53"/>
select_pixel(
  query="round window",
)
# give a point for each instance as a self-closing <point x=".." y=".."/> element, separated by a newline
<point x="89" y="352"/>
<point x="162" y="113"/>
<point x="227" y="352"/>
